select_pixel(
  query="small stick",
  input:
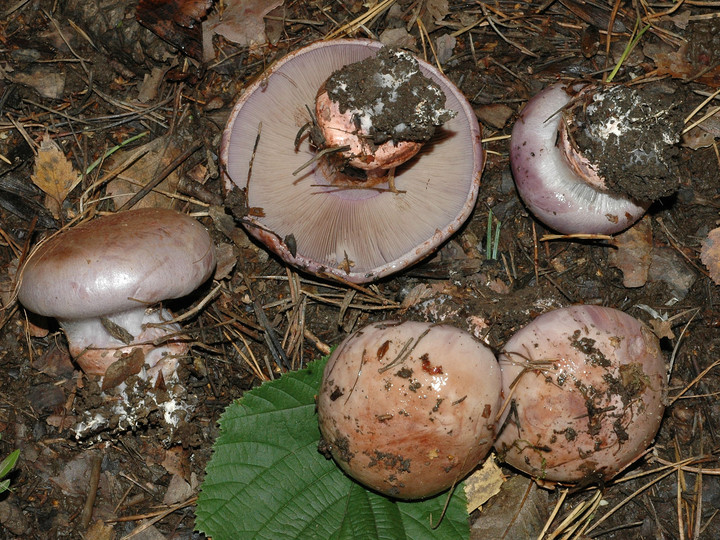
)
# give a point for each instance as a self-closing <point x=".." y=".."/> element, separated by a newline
<point x="86" y="514"/>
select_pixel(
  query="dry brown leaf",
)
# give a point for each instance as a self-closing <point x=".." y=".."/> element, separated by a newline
<point x="697" y="138"/>
<point x="54" y="174"/>
<point x="710" y="254"/>
<point x="158" y="154"/>
<point x="662" y="328"/>
<point x="178" y="491"/>
<point x="494" y="114"/>
<point x="398" y="37"/>
<point x="240" y="22"/>
<point x="177" y="462"/>
<point x="99" y="530"/>
<point x="518" y="511"/>
<point x="48" y="81"/>
<point x="633" y="254"/>
<point x="437" y="9"/>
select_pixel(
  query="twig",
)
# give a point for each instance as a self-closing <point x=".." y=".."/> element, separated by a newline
<point x="324" y="348"/>
<point x="270" y="336"/>
<point x="158" y="516"/>
<point x="360" y="21"/>
<point x="695" y="380"/>
<point x="490" y="20"/>
<point x="86" y="514"/>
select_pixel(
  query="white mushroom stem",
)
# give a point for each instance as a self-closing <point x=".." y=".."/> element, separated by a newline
<point x="94" y="347"/>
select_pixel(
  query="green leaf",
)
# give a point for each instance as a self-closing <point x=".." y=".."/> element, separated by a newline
<point x="8" y="463"/>
<point x="267" y="480"/>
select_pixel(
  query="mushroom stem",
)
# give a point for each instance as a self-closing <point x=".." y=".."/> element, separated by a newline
<point x="95" y="343"/>
<point x="556" y="192"/>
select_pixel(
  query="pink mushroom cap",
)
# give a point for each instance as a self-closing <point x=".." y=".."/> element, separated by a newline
<point x="115" y="267"/>
<point x="409" y="408"/>
<point x="309" y="221"/>
<point x="587" y="385"/>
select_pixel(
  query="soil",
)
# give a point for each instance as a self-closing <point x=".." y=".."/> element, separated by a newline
<point x="631" y="137"/>
<point x="391" y="96"/>
<point x="90" y="77"/>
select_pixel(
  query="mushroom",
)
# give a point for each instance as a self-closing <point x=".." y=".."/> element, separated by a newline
<point x="322" y="219"/>
<point x="582" y="191"/>
<point x="408" y="408"/>
<point x="102" y="281"/>
<point x="587" y="385"/>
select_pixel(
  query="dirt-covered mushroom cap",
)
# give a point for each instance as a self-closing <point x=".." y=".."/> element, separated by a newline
<point x="309" y="220"/>
<point x="409" y="408"/>
<point x="114" y="267"/>
<point x="587" y="385"/>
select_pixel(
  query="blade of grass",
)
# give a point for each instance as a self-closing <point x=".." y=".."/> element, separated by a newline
<point x="488" y="240"/>
<point x="496" y="243"/>
<point x="114" y="149"/>
<point x="635" y="38"/>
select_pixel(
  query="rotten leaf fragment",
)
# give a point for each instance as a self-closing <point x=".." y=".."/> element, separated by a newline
<point x="156" y="155"/>
<point x="710" y="254"/>
<point x="519" y="510"/>
<point x="697" y="138"/>
<point x="242" y="22"/>
<point x="48" y="81"/>
<point x="175" y="21"/>
<point x="54" y="174"/>
<point x="633" y="254"/>
<point x="124" y="367"/>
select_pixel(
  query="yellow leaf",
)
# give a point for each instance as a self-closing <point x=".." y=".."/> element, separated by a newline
<point x="483" y="484"/>
<point x="54" y="174"/>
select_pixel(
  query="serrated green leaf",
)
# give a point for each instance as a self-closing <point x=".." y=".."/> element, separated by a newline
<point x="267" y="480"/>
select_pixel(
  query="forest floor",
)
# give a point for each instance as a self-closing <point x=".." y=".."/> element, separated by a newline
<point x="127" y="109"/>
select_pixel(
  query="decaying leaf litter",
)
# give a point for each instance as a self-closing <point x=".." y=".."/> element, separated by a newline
<point x="126" y="109"/>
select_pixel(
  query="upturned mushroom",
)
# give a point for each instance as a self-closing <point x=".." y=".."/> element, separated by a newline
<point x="408" y="408"/>
<point x="559" y="156"/>
<point x="344" y="204"/>
<point x="586" y="386"/>
<point x="103" y="280"/>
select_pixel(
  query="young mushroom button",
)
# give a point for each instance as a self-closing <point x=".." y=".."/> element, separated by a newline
<point x="100" y="278"/>
<point x="335" y="181"/>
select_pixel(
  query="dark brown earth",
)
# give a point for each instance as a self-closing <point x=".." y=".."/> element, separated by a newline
<point x="88" y="76"/>
<point x="636" y="146"/>
<point x="412" y="104"/>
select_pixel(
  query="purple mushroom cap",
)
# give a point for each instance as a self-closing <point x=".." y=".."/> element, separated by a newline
<point x="117" y="262"/>
<point x="358" y="235"/>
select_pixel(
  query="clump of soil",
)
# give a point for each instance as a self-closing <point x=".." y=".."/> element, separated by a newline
<point x="630" y="136"/>
<point x="390" y="97"/>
